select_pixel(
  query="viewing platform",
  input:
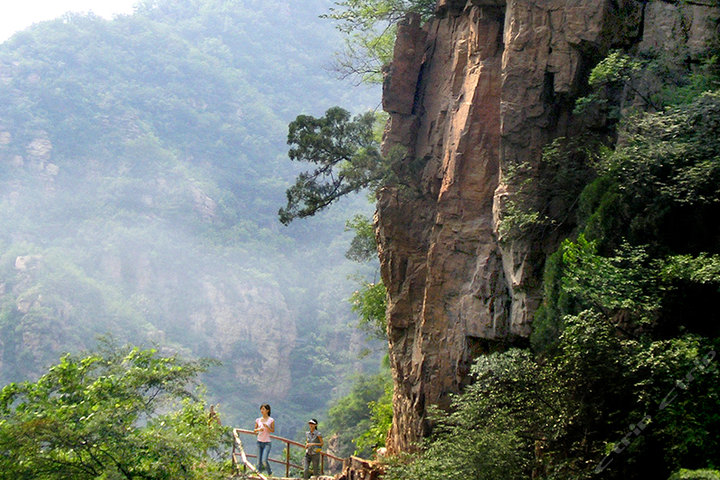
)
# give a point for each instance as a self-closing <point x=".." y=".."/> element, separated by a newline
<point x="243" y="467"/>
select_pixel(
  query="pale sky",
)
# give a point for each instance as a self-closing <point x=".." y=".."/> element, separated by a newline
<point x="16" y="15"/>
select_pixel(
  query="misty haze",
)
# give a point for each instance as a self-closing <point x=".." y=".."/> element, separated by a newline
<point x="432" y="239"/>
<point x="142" y="164"/>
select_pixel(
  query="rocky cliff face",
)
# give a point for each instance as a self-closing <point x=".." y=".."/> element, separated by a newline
<point x="479" y="89"/>
<point x="244" y="323"/>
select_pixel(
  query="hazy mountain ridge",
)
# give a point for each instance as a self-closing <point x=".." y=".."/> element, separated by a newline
<point x="142" y="163"/>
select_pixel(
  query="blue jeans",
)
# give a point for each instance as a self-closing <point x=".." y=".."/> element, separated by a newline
<point x="263" y="455"/>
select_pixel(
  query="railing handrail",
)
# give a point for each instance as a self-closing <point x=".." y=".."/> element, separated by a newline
<point x="237" y="442"/>
<point x="287" y="463"/>
<point x="291" y="442"/>
<point x="286" y="440"/>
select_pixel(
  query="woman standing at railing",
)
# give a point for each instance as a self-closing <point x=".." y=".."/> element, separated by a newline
<point x="264" y="426"/>
<point x="313" y="444"/>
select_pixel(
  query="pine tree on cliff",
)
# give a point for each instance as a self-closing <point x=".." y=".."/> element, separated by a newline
<point x="347" y="156"/>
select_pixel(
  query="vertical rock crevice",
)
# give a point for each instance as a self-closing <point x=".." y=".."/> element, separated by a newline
<point x="443" y="232"/>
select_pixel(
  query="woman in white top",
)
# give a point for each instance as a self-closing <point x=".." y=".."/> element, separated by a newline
<point x="264" y="426"/>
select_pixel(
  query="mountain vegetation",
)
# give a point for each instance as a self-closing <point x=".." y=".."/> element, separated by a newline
<point x="369" y="28"/>
<point x="146" y="207"/>
<point x="346" y="152"/>
<point x="118" y="412"/>
<point x="142" y="162"/>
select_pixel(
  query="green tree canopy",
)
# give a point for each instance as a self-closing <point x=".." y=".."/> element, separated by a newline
<point x="370" y="28"/>
<point x="361" y="416"/>
<point x="118" y="413"/>
<point x="347" y="155"/>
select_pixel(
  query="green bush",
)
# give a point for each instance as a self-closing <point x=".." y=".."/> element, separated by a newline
<point x="704" y="474"/>
<point x="120" y="413"/>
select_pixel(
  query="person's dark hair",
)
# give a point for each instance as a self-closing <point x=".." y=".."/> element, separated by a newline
<point x="267" y="406"/>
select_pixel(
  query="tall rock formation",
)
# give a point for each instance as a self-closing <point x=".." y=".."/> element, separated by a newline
<point x="482" y="87"/>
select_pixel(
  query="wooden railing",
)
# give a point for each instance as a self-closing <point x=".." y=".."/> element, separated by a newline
<point x="240" y="457"/>
<point x="239" y="451"/>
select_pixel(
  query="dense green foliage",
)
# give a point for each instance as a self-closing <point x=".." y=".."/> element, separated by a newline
<point x="661" y="185"/>
<point x="361" y="418"/>
<point x="347" y="156"/>
<point x="569" y="416"/>
<point x="118" y="413"/>
<point x="547" y="194"/>
<point x="363" y="247"/>
<point x="381" y="417"/>
<point x="703" y="474"/>
<point x="489" y="432"/>
<point x="369" y="302"/>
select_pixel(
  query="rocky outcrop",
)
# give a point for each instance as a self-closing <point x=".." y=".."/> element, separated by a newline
<point x="249" y="327"/>
<point x="358" y="469"/>
<point x="434" y="236"/>
<point x="244" y="323"/>
<point x="483" y="87"/>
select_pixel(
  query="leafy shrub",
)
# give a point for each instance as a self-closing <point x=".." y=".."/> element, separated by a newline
<point x="121" y="412"/>
<point x="704" y="474"/>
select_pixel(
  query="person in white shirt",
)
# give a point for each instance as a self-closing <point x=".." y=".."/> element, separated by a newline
<point x="264" y="426"/>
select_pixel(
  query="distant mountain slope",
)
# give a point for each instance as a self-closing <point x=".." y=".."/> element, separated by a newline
<point x="142" y="163"/>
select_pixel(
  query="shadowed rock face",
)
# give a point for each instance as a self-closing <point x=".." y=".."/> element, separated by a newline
<point x="482" y="87"/>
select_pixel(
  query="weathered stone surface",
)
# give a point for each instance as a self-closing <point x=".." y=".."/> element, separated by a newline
<point x="682" y="31"/>
<point x="433" y="239"/>
<point x="496" y="81"/>
<point x="38" y="152"/>
<point x="204" y="204"/>
<point x="402" y="77"/>
<point x="358" y="469"/>
<point x="241" y="318"/>
<point x="449" y="7"/>
<point x="25" y="262"/>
